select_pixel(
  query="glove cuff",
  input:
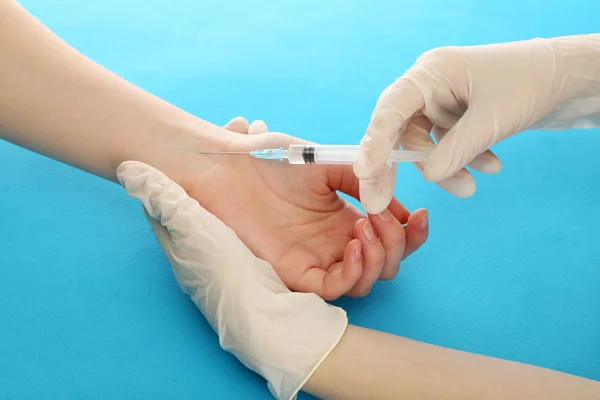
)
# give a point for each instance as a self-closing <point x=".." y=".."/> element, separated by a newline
<point x="282" y="337"/>
<point x="577" y="79"/>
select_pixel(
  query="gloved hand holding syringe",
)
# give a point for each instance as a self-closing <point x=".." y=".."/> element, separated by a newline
<point x="323" y="154"/>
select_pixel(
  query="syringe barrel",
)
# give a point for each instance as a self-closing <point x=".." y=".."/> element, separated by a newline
<point x="341" y="154"/>
<point x="321" y="154"/>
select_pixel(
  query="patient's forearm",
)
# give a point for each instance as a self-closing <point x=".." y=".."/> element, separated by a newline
<point x="373" y="365"/>
<point x="55" y="101"/>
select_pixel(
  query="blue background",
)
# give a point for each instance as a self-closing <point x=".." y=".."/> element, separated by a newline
<point x="88" y="306"/>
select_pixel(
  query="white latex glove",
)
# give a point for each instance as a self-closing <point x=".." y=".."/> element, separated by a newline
<point x="473" y="97"/>
<point x="281" y="335"/>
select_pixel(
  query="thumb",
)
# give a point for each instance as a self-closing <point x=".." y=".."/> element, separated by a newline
<point x="473" y="134"/>
<point x="377" y="192"/>
<point x="397" y="104"/>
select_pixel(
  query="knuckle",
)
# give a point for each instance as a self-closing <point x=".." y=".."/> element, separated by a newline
<point x="439" y="61"/>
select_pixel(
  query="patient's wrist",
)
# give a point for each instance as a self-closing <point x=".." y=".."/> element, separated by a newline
<point x="172" y="146"/>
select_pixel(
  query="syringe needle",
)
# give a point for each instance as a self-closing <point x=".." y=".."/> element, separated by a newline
<point x="224" y="152"/>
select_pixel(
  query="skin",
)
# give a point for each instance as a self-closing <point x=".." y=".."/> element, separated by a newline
<point x="368" y="364"/>
<point x="306" y="223"/>
<point x="57" y="102"/>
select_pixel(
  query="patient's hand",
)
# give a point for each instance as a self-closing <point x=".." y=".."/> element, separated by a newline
<point x="291" y="216"/>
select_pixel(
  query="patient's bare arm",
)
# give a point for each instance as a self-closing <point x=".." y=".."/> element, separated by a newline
<point x="373" y="365"/>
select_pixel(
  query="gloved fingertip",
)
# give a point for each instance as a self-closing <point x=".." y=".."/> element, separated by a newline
<point x="363" y="168"/>
<point x="460" y="185"/>
<point x="465" y="191"/>
<point x="377" y="192"/>
<point x="375" y="208"/>
<point x="432" y="175"/>
<point x="491" y="166"/>
<point x="436" y="171"/>
<point x="374" y="203"/>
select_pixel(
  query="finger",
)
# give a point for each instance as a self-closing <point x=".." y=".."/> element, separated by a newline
<point x="338" y="279"/>
<point x="238" y="125"/>
<point x="342" y="178"/>
<point x="399" y="211"/>
<point x="486" y="162"/>
<point x="417" y="137"/>
<point x="396" y="105"/>
<point x="391" y="233"/>
<point x="417" y="231"/>
<point x="257" y="127"/>
<point x="373" y="256"/>
<point x="469" y="137"/>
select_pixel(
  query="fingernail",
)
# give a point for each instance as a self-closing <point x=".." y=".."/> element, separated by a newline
<point x="385" y="215"/>
<point x="358" y="252"/>
<point x="424" y="220"/>
<point x="368" y="232"/>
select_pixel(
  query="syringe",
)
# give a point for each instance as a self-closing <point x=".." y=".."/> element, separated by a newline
<point x="324" y="154"/>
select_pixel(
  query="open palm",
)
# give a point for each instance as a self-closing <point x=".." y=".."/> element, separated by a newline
<point x="293" y="217"/>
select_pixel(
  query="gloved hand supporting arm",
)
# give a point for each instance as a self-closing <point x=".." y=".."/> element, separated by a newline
<point x="281" y="335"/>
